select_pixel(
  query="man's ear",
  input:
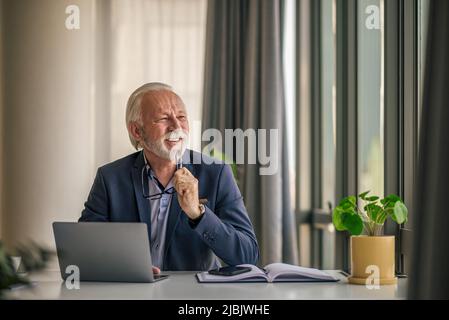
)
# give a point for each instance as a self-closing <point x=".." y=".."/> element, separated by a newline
<point x="135" y="130"/>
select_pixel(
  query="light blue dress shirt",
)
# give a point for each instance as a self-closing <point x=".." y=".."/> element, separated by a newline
<point x="159" y="210"/>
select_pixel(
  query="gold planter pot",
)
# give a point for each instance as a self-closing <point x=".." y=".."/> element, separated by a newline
<point x="369" y="254"/>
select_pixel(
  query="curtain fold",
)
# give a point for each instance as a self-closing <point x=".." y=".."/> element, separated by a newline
<point x="429" y="277"/>
<point x="244" y="89"/>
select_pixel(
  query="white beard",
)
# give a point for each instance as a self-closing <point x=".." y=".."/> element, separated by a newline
<point x="158" y="147"/>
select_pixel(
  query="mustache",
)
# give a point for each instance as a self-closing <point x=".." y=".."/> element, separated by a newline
<point x="176" y="134"/>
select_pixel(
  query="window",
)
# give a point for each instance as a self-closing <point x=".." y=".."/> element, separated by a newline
<point x="289" y="81"/>
<point x="361" y="107"/>
<point x="328" y="126"/>
<point x="370" y="96"/>
<point x="328" y="101"/>
<point x="316" y="131"/>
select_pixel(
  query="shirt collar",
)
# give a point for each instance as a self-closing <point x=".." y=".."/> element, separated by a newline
<point x="150" y="171"/>
<point x="184" y="159"/>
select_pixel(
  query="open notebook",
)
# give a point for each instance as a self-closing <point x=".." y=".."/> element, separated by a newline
<point x="275" y="272"/>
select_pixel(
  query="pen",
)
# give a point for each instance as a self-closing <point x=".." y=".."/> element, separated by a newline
<point x="178" y="161"/>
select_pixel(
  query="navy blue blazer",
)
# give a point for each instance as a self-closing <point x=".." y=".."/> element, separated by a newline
<point x="224" y="231"/>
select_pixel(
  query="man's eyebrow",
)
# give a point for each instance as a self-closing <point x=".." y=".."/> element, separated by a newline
<point x="162" y="113"/>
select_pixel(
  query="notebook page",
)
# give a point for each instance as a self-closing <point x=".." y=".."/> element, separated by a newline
<point x="283" y="270"/>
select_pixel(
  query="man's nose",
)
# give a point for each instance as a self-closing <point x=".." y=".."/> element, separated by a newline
<point x="174" y="123"/>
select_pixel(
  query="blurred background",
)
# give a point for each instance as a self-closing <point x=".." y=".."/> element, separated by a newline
<point x="65" y="93"/>
<point x="342" y="79"/>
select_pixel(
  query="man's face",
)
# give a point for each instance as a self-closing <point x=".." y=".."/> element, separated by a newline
<point x="165" y="123"/>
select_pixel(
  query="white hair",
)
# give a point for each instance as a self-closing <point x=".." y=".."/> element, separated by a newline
<point x="134" y="107"/>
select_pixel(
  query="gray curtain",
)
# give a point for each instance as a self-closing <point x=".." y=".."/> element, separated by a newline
<point x="244" y="89"/>
<point x="429" y="277"/>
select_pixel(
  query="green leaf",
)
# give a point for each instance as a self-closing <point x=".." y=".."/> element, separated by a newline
<point x="352" y="222"/>
<point x="336" y="219"/>
<point x="373" y="211"/>
<point x="363" y="195"/>
<point x="374" y="198"/>
<point x="351" y="200"/>
<point x="381" y="217"/>
<point x="347" y="206"/>
<point x="400" y="212"/>
<point x="390" y="201"/>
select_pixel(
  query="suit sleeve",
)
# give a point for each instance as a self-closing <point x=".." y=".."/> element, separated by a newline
<point x="228" y="230"/>
<point x="96" y="206"/>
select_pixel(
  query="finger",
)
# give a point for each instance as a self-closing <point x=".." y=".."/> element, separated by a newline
<point x="181" y="185"/>
<point x="156" y="270"/>
<point x="182" y="190"/>
<point x="181" y="172"/>
<point x="185" y="179"/>
<point x="186" y="190"/>
<point x="185" y="172"/>
<point x="177" y="178"/>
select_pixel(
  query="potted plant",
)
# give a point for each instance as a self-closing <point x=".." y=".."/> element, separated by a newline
<point x="369" y="247"/>
<point x="33" y="257"/>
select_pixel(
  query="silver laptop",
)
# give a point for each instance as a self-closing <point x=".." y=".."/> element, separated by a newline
<point x="105" y="251"/>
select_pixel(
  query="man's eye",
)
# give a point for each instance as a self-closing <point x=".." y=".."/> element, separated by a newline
<point x="182" y="117"/>
<point x="163" y="119"/>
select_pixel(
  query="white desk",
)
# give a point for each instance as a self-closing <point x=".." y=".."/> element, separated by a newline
<point x="183" y="285"/>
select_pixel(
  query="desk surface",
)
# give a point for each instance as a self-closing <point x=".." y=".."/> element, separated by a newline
<point x="183" y="285"/>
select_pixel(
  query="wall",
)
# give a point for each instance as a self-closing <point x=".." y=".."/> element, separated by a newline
<point x="66" y="91"/>
<point x="48" y="117"/>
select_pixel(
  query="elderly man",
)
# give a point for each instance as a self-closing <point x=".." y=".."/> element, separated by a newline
<point x="195" y="214"/>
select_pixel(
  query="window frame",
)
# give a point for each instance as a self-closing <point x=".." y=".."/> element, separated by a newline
<point x="308" y="131"/>
<point x="347" y="135"/>
<point x="410" y="119"/>
<point x="401" y="118"/>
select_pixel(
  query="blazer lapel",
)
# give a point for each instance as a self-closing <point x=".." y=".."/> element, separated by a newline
<point x="175" y="209"/>
<point x="143" y="205"/>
